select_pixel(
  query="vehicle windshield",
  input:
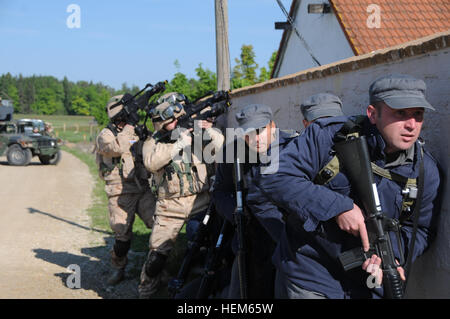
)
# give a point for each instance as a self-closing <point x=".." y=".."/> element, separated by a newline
<point x="30" y="127"/>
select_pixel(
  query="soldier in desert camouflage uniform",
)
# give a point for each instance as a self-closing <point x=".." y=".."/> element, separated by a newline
<point x="181" y="182"/>
<point x="127" y="192"/>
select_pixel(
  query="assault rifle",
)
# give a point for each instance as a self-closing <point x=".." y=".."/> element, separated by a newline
<point x="129" y="114"/>
<point x="219" y="103"/>
<point x="213" y="262"/>
<point x="354" y="155"/>
<point x="133" y="103"/>
<point x="239" y="218"/>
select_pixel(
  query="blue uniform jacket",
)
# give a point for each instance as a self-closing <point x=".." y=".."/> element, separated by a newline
<point x="311" y="240"/>
<point x="224" y="191"/>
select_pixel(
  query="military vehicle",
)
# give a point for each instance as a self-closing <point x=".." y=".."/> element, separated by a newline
<point x="22" y="139"/>
<point x="6" y="110"/>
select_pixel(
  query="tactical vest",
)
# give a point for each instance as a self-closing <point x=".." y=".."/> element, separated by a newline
<point x="183" y="171"/>
<point x="332" y="168"/>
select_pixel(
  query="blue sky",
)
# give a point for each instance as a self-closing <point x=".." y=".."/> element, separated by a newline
<point x="134" y="41"/>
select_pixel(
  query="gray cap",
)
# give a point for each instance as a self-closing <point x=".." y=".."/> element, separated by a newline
<point x="399" y="92"/>
<point x="254" y="116"/>
<point x="321" y="105"/>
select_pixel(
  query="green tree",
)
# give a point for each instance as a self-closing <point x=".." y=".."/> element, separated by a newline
<point x="244" y="72"/>
<point x="67" y="88"/>
<point x="264" y="74"/>
<point x="80" y="106"/>
<point x="29" y="95"/>
<point x="13" y="94"/>
<point x="46" y="102"/>
<point x="180" y="83"/>
<point x="207" y="82"/>
<point x="98" y="109"/>
<point x="6" y="81"/>
<point x="48" y="90"/>
<point x="48" y="95"/>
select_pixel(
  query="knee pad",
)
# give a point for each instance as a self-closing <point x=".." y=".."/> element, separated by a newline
<point x="155" y="263"/>
<point x="121" y="247"/>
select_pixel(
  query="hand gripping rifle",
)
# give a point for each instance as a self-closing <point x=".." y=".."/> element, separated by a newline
<point x="239" y="218"/>
<point x="219" y="103"/>
<point x="354" y="155"/>
<point x="143" y="103"/>
<point x="129" y="114"/>
<point x="193" y="248"/>
<point x="131" y="105"/>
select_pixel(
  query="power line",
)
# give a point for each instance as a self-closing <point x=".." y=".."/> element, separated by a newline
<point x="291" y="22"/>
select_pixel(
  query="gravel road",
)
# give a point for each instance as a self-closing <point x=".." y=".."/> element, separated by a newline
<point x="45" y="228"/>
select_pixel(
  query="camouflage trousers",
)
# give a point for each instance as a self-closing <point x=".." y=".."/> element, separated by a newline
<point x="122" y="212"/>
<point x="170" y="216"/>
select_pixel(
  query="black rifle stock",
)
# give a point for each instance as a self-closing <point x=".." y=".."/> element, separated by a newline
<point x="353" y="154"/>
<point x="239" y="218"/>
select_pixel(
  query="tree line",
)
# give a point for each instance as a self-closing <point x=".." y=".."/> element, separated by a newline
<point x="49" y="96"/>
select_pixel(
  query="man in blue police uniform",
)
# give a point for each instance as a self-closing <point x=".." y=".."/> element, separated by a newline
<point x="322" y="220"/>
<point x="319" y="106"/>
<point x="262" y="143"/>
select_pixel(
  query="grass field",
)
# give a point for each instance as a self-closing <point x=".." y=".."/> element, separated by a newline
<point x="72" y="128"/>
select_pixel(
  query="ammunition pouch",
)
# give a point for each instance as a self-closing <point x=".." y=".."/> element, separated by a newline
<point x="181" y="179"/>
<point x="105" y="169"/>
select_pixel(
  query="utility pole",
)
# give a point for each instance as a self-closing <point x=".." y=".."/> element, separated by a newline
<point x="222" y="49"/>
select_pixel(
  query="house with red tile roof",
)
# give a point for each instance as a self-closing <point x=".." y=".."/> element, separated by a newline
<point x="324" y="32"/>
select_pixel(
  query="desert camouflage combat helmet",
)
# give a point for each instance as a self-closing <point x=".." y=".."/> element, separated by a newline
<point x="170" y="106"/>
<point x="112" y="108"/>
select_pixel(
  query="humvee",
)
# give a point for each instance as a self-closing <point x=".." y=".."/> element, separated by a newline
<point x="6" y="110"/>
<point x="22" y="139"/>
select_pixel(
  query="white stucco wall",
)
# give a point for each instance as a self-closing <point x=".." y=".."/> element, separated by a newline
<point x="324" y="36"/>
<point x="430" y="277"/>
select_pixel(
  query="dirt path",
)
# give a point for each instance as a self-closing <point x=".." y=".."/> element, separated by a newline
<point x="44" y="228"/>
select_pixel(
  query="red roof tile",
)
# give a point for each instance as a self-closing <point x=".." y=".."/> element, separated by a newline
<point x="401" y="21"/>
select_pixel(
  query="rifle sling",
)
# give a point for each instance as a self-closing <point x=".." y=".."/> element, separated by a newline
<point x="416" y="214"/>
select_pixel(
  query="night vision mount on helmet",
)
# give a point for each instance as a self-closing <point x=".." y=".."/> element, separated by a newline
<point x="209" y="108"/>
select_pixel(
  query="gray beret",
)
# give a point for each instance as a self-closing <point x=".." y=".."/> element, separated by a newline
<point x="254" y="116"/>
<point x="399" y="92"/>
<point x="321" y="105"/>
